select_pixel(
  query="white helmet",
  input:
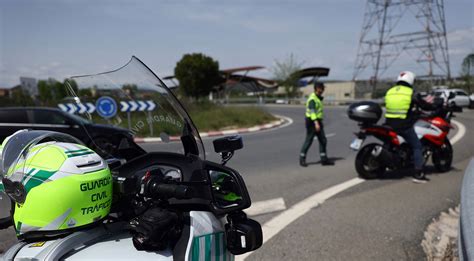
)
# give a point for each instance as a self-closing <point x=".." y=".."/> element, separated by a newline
<point x="407" y="77"/>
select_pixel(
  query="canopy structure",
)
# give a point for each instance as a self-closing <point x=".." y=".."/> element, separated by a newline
<point x="313" y="72"/>
<point x="231" y="80"/>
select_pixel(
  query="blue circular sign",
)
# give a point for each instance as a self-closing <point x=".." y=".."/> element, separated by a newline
<point x="106" y="107"/>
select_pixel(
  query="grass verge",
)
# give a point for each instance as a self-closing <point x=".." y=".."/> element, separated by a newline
<point x="221" y="118"/>
<point x="206" y="116"/>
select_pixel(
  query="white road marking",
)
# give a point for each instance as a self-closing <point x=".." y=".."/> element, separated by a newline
<point x="460" y="133"/>
<point x="278" y="223"/>
<point x="288" y="122"/>
<point x="266" y="206"/>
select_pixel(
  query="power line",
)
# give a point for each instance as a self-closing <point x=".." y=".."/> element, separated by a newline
<point x="393" y="27"/>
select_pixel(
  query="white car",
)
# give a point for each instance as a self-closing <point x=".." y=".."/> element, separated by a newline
<point x="461" y="99"/>
<point x="281" y="101"/>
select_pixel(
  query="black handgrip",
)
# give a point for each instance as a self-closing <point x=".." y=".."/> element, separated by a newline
<point x="170" y="191"/>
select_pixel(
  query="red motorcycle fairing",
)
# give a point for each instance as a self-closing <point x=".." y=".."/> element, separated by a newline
<point x="440" y="123"/>
<point x="383" y="132"/>
<point x="436" y="140"/>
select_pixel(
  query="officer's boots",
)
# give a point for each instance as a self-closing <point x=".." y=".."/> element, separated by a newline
<point x="327" y="162"/>
<point x="303" y="162"/>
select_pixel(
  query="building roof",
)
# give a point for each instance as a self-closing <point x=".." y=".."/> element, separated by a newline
<point x="241" y="69"/>
<point x="314" y="72"/>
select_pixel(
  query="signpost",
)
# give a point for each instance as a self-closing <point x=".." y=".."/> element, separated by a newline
<point x="106" y="107"/>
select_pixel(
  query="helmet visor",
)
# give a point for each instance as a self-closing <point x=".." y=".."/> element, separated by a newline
<point x="17" y="149"/>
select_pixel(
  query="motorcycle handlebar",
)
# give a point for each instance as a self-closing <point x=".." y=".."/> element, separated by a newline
<point x="167" y="191"/>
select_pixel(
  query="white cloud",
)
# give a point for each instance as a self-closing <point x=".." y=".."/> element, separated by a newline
<point x="461" y="42"/>
<point x="461" y="36"/>
<point x="11" y="76"/>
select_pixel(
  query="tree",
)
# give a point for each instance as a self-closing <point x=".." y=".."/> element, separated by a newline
<point x="59" y="90"/>
<point x="286" y="74"/>
<point x="197" y="75"/>
<point x="20" y="98"/>
<point x="71" y="87"/>
<point x="44" y="92"/>
<point x="467" y="71"/>
<point x="131" y="90"/>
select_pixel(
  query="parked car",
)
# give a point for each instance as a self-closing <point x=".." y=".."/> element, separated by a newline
<point x="461" y="99"/>
<point x="103" y="138"/>
<point x="472" y="101"/>
<point x="281" y="101"/>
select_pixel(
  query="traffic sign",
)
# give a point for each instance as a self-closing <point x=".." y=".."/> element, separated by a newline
<point x="80" y="108"/>
<point x="106" y="107"/>
<point x="151" y="105"/>
<point x="131" y="106"/>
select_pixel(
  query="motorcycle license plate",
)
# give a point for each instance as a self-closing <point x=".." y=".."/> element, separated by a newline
<point x="356" y="143"/>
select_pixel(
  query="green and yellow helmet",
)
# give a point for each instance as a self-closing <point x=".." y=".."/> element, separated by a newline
<point x="57" y="184"/>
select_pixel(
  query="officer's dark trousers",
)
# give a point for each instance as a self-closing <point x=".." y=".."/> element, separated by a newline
<point x="410" y="136"/>
<point x="310" y="133"/>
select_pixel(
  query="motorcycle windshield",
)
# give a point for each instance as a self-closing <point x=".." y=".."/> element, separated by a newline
<point x="133" y="99"/>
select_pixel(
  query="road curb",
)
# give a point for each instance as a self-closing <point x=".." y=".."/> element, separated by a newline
<point x="271" y="125"/>
<point x="441" y="236"/>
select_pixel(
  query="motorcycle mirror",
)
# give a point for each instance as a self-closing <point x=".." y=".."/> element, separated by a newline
<point x="228" y="189"/>
<point x="243" y="234"/>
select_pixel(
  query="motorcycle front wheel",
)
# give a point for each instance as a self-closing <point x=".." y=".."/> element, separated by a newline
<point x="443" y="157"/>
<point x="368" y="165"/>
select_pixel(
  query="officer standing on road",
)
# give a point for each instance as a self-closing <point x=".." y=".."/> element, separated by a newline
<point x="314" y="126"/>
<point x="399" y="101"/>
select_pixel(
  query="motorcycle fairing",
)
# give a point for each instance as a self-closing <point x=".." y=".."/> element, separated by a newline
<point x="203" y="237"/>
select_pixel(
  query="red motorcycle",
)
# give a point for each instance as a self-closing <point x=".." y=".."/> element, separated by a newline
<point x="374" y="159"/>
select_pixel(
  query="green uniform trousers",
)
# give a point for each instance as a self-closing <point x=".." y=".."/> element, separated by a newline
<point x="310" y="133"/>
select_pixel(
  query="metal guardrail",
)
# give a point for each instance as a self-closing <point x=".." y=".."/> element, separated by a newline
<point x="466" y="227"/>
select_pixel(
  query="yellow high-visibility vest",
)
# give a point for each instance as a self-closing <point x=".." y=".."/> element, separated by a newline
<point x="317" y="113"/>
<point x="397" y="102"/>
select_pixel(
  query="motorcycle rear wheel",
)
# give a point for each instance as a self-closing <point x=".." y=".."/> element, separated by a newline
<point x="443" y="157"/>
<point x="367" y="165"/>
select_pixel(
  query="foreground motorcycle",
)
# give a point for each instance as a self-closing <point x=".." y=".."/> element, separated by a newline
<point x="168" y="203"/>
<point x="394" y="152"/>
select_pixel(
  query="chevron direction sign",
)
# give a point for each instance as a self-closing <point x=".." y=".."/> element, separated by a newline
<point x="79" y="108"/>
<point x="125" y="106"/>
<point x="131" y="106"/>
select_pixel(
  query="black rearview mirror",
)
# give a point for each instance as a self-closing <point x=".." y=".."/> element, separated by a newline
<point x="228" y="189"/>
<point x="243" y="234"/>
<point x="225" y="189"/>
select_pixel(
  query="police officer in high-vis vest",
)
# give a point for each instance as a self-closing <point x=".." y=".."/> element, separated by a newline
<point x="314" y="125"/>
<point x="399" y="101"/>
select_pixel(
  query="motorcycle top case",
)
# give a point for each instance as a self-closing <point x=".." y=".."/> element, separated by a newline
<point x="365" y="112"/>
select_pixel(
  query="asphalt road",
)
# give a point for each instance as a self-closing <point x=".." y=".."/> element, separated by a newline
<point x="375" y="220"/>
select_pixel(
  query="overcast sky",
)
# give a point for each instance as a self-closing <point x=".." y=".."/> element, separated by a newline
<point x="52" y="38"/>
